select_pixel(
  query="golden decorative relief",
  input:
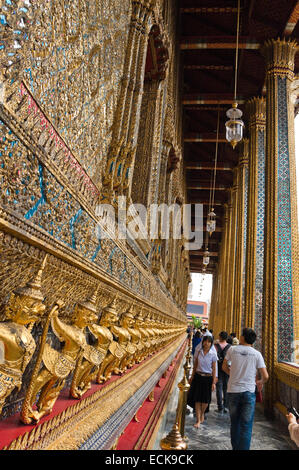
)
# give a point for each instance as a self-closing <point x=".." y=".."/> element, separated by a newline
<point x="70" y="122"/>
<point x="25" y="307"/>
<point x="75" y="425"/>
<point x="74" y="67"/>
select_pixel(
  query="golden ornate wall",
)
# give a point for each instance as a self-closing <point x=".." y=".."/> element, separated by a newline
<point x="71" y="91"/>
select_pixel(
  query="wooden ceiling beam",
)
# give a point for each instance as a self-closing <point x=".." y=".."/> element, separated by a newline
<point x="195" y="200"/>
<point x="292" y="20"/>
<point x="213" y="254"/>
<point x="221" y="68"/>
<point x="218" y="229"/>
<point x="218" y="42"/>
<point x="204" y="187"/>
<point x="221" y="166"/>
<point x="204" y="137"/>
<point x="209" y="10"/>
<point x="211" y="98"/>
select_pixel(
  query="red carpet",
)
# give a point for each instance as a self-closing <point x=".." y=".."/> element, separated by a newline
<point x="138" y="434"/>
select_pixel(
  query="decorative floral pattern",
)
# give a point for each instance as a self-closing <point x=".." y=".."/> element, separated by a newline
<point x="30" y="189"/>
<point x="285" y="296"/>
<point x="259" y="276"/>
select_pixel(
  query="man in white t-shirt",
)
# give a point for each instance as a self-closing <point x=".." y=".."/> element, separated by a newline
<point x="245" y="363"/>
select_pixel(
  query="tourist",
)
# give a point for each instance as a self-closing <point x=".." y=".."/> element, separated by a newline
<point x="203" y="379"/>
<point x="221" y="387"/>
<point x="235" y="340"/>
<point x="195" y="341"/>
<point x="245" y="362"/>
<point x="293" y="428"/>
<point x="207" y="332"/>
<point x="229" y="340"/>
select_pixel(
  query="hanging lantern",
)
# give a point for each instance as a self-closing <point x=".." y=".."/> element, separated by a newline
<point x="235" y="125"/>
<point x="211" y="222"/>
<point x="206" y="258"/>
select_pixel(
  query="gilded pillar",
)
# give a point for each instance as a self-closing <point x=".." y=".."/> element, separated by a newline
<point x="218" y="281"/>
<point x="239" y="266"/>
<point x="166" y="146"/>
<point x="256" y="109"/>
<point x="212" y="313"/>
<point x="142" y="23"/>
<point x="232" y="256"/>
<point x="281" y="225"/>
<point x="134" y="61"/>
<point x="225" y="264"/>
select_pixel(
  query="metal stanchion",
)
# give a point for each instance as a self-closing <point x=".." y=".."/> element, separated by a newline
<point x="175" y="440"/>
<point x="181" y="411"/>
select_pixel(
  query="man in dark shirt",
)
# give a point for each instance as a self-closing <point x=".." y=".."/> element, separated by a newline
<point x="221" y="387"/>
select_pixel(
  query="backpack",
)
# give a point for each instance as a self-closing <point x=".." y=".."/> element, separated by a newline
<point x="221" y="353"/>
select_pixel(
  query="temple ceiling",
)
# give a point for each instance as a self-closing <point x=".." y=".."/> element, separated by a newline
<point x="208" y="45"/>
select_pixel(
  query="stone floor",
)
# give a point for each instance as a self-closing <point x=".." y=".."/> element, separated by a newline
<point x="214" y="433"/>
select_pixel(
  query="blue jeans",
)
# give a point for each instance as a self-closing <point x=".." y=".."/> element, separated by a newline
<point x="241" y="410"/>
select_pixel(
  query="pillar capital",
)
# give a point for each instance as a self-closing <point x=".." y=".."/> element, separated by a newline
<point x="256" y="110"/>
<point x="280" y="56"/>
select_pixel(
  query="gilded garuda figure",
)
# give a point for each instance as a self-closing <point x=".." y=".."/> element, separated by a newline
<point x="49" y="380"/>
<point x="88" y="363"/>
<point x="136" y="337"/>
<point x="123" y="337"/>
<point x="140" y="326"/>
<point x="130" y="339"/>
<point x="24" y="309"/>
<point x="152" y="335"/>
<point x="105" y="334"/>
<point x="163" y="329"/>
<point x="156" y="331"/>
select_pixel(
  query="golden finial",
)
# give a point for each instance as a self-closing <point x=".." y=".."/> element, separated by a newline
<point x="33" y="287"/>
<point x="174" y="440"/>
<point x="91" y="302"/>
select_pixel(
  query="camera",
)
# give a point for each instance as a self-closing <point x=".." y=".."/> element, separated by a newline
<point x="294" y="412"/>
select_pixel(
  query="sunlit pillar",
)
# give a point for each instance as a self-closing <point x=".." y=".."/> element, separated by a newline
<point x="256" y="109"/>
<point x="281" y="225"/>
<point x="239" y="265"/>
<point x="232" y="256"/>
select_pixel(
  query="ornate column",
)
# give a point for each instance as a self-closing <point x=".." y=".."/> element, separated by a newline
<point x="134" y="61"/>
<point x="256" y="109"/>
<point x="218" y="281"/>
<point x="212" y="313"/>
<point x="232" y="256"/>
<point x="281" y="225"/>
<point x="225" y="271"/>
<point x="166" y="146"/>
<point x="213" y="306"/>
<point x="146" y="141"/>
<point x="239" y="266"/>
